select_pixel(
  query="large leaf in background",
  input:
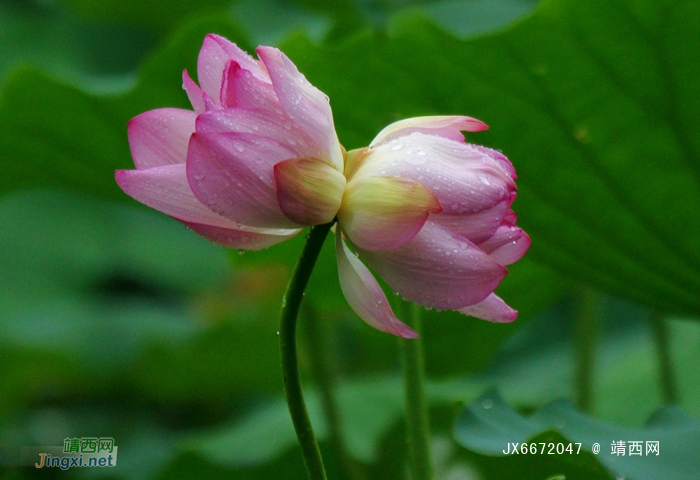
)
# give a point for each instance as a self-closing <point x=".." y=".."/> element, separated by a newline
<point x="96" y="280"/>
<point x="489" y="426"/>
<point x="159" y="15"/>
<point x="57" y="135"/>
<point x="595" y="102"/>
<point x="86" y="286"/>
<point x="83" y="52"/>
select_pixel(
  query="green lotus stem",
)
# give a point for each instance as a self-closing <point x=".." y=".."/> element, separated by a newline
<point x="417" y="420"/>
<point x="669" y="388"/>
<point x="288" y="351"/>
<point x="322" y="367"/>
<point x="586" y="319"/>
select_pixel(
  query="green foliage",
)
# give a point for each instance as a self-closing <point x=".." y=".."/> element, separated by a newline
<point x="159" y="15"/>
<point x="95" y="55"/>
<point x="530" y="370"/>
<point x="489" y="426"/>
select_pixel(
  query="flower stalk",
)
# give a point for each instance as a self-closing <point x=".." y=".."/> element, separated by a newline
<point x="288" y="351"/>
<point x="662" y="340"/>
<point x="586" y="323"/>
<point x="316" y="332"/>
<point x="417" y="420"/>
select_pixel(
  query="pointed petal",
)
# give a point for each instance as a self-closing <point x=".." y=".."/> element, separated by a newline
<point x="464" y="179"/>
<point x="215" y="54"/>
<point x="364" y="294"/>
<point x="353" y="160"/>
<point x="381" y="213"/>
<point x="477" y="227"/>
<point x="249" y="91"/>
<point x="232" y="174"/>
<point x="438" y="269"/>
<point x="160" y="137"/>
<point x="309" y="190"/>
<point x="507" y="245"/>
<point x="240" y="239"/>
<point x="443" y="126"/>
<point x="228" y="85"/>
<point x="167" y="190"/>
<point x="306" y="105"/>
<point x="500" y="158"/>
<point x="265" y="123"/>
<point x="194" y="93"/>
<point x="492" y="309"/>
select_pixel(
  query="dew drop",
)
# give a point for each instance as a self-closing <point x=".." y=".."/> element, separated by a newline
<point x="484" y="180"/>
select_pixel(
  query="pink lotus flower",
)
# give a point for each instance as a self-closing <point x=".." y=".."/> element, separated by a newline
<point x="258" y="160"/>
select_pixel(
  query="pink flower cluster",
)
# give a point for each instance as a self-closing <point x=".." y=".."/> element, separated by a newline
<point x="258" y="160"/>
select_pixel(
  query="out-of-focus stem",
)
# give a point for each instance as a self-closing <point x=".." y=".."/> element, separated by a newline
<point x="417" y="421"/>
<point x="662" y="340"/>
<point x="315" y="333"/>
<point x="586" y="322"/>
<point x="288" y="351"/>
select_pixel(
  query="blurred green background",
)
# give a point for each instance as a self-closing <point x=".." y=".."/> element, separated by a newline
<point x="116" y="321"/>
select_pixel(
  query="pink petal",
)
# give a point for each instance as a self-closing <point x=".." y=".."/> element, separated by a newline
<point x="265" y="123"/>
<point x="194" y="93"/>
<point x="464" y="179"/>
<point x="306" y="105"/>
<point x="232" y="174"/>
<point x="510" y="218"/>
<point x="228" y="85"/>
<point x="160" y="137"/>
<point x="210" y="104"/>
<point x="478" y="226"/>
<point x="443" y="126"/>
<point x="500" y="158"/>
<point x="309" y="190"/>
<point x="381" y="213"/>
<point x="215" y="54"/>
<point x="167" y="189"/>
<point x="242" y="89"/>
<point x="492" y="309"/>
<point x="364" y="294"/>
<point x="242" y="240"/>
<point x="507" y="245"/>
<point x="438" y="269"/>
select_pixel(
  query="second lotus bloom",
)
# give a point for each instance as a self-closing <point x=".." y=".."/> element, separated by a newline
<point x="258" y="159"/>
